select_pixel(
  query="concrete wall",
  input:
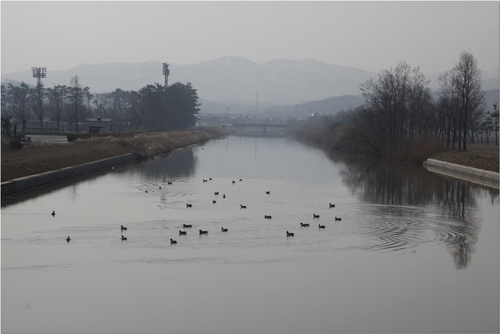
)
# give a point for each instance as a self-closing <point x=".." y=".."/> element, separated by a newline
<point x="16" y="186"/>
<point x="470" y="174"/>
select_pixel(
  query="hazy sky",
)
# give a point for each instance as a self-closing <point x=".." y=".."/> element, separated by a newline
<point x="369" y="35"/>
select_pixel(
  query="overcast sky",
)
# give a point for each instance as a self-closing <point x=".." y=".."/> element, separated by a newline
<point x="367" y="35"/>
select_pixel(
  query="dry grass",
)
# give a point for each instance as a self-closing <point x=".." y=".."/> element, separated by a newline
<point x="38" y="158"/>
<point x="477" y="156"/>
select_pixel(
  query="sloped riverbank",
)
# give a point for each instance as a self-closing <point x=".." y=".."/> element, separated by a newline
<point x="39" y="165"/>
<point x="475" y="175"/>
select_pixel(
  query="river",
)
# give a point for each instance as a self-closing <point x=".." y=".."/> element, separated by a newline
<point x="413" y="252"/>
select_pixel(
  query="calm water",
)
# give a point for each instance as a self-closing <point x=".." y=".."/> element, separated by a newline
<point x="414" y="251"/>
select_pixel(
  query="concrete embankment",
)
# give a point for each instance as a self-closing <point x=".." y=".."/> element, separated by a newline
<point x="28" y="183"/>
<point x="479" y="176"/>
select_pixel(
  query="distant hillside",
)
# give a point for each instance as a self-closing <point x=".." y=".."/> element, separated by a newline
<point x="225" y="80"/>
<point x="329" y="106"/>
<point x="280" y="86"/>
<point x="491" y="97"/>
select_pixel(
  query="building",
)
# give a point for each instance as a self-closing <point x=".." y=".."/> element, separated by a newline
<point x="98" y="125"/>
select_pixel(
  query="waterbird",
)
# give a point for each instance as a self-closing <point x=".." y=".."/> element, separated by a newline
<point x="338" y="219"/>
<point x="268" y="193"/>
<point x="123" y="238"/>
<point x="159" y="187"/>
<point x="214" y="201"/>
<point x="331" y="205"/>
<point x="169" y="182"/>
<point x="54" y="213"/>
<point x="182" y="233"/>
<point x="234" y="181"/>
<point x="243" y="206"/>
<point x="267" y="217"/>
<point x="123" y="228"/>
<point x="223" y="195"/>
<point x="187" y="225"/>
<point x="241" y="179"/>
<point x="189" y="205"/>
<point x="223" y="229"/>
<point x="289" y="234"/>
<point x="146" y="191"/>
<point x="210" y="178"/>
<point x="172" y="241"/>
<point x="315" y="216"/>
<point x="203" y="232"/>
<point x="321" y="226"/>
<point x="68" y="239"/>
<point x="216" y="193"/>
<point x="205" y="180"/>
<point x="304" y="225"/>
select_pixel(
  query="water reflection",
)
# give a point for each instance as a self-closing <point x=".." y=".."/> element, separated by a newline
<point x="372" y="270"/>
<point x="181" y="164"/>
<point x="87" y="178"/>
<point x="401" y="189"/>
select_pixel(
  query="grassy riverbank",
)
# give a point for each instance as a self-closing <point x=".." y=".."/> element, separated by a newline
<point x="483" y="157"/>
<point x="37" y="158"/>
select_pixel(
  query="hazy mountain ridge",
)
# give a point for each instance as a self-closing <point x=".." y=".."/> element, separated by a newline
<point x="226" y="80"/>
<point x="279" y="86"/>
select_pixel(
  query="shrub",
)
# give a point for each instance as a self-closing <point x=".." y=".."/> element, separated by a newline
<point x="16" y="144"/>
<point x="74" y="136"/>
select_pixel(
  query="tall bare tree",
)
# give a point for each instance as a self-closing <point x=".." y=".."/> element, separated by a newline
<point x="448" y="109"/>
<point x="398" y="108"/>
<point x="20" y="104"/>
<point x="75" y="97"/>
<point x="56" y="97"/>
<point x="467" y="82"/>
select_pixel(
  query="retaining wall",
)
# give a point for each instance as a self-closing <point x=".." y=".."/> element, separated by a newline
<point x="23" y="184"/>
<point x="480" y="176"/>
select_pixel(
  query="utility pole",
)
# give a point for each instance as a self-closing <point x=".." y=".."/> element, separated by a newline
<point x="39" y="73"/>
<point x="256" y="103"/>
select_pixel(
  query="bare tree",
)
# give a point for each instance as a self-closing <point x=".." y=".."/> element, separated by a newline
<point x="20" y="104"/>
<point x="56" y="97"/>
<point x="448" y="108"/>
<point x="467" y="82"/>
<point x="75" y="97"/>
<point x="398" y="109"/>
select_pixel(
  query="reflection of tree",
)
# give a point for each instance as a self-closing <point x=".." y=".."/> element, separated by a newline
<point x="181" y="164"/>
<point x="389" y="183"/>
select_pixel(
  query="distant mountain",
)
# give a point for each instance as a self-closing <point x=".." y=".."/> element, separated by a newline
<point x="238" y="83"/>
<point x="329" y="106"/>
<point x="490" y="80"/>
<point x="225" y="80"/>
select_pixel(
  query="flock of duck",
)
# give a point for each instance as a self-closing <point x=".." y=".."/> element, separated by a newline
<point x="201" y="232"/>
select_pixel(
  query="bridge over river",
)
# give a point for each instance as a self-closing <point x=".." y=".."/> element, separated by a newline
<point x="261" y="129"/>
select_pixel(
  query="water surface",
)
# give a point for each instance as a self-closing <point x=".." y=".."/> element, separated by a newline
<point x="413" y="251"/>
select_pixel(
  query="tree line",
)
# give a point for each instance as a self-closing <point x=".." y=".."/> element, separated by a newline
<point x="400" y="115"/>
<point x="66" y="107"/>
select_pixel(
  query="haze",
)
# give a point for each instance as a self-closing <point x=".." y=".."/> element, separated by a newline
<point x="367" y="35"/>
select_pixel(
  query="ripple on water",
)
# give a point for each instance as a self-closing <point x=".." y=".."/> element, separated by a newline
<point x="385" y="227"/>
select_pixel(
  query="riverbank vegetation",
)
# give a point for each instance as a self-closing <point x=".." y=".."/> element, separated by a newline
<point x="400" y="119"/>
<point x="479" y="156"/>
<point x="36" y="158"/>
<point x="151" y="108"/>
